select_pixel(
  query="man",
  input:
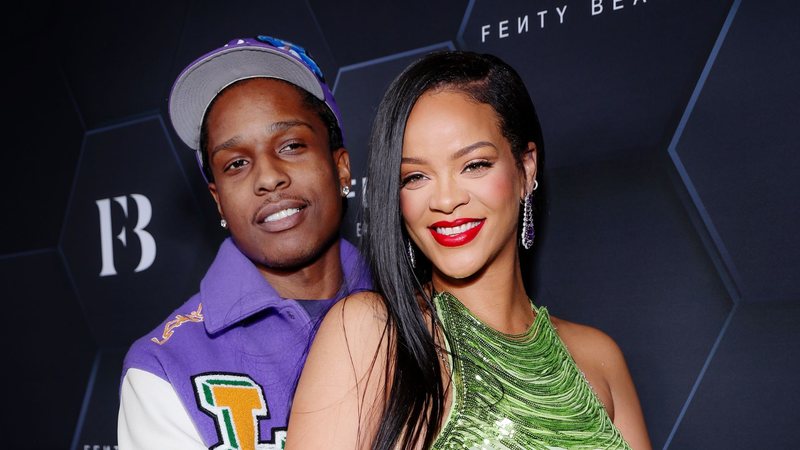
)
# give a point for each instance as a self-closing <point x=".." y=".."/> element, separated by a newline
<point x="220" y="372"/>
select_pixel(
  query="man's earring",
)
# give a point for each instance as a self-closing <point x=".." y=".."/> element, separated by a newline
<point x="223" y="223"/>
<point x="345" y="191"/>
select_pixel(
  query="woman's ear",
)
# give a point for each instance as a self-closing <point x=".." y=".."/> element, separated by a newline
<point x="529" y="158"/>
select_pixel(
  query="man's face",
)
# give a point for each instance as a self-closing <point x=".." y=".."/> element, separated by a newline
<point x="276" y="181"/>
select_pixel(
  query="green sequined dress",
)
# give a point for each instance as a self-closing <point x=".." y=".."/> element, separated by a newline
<point x="520" y="392"/>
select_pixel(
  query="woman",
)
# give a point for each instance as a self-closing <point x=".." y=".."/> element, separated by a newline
<point x="451" y="352"/>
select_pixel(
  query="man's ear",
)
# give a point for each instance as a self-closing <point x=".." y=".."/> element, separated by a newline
<point x="341" y="159"/>
<point x="529" y="158"/>
<point x="212" y="188"/>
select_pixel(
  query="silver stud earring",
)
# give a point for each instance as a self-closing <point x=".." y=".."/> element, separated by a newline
<point x="223" y="223"/>
<point x="411" y="257"/>
<point x="345" y="191"/>
<point x="527" y="232"/>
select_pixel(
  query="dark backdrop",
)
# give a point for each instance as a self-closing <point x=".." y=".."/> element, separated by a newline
<point x="671" y="131"/>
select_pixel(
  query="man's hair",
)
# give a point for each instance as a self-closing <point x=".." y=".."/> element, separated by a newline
<point x="312" y="103"/>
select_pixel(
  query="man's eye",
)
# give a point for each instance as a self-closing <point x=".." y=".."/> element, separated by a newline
<point x="291" y="147"/>
<point x="237" y="164"/>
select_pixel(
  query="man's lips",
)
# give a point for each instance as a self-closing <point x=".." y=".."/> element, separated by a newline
<point x="457" y="232"/>
<point x="280" y="215"/>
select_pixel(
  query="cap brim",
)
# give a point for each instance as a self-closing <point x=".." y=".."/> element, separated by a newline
<point x="197" y="86"/>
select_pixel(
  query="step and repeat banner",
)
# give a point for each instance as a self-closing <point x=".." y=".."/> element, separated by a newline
<point x="671" y="130"/>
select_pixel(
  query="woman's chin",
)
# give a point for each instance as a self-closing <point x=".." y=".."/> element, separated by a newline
<point x="457" y="271"/>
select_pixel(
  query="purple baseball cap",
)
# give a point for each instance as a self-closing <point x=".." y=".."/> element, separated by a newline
<point x="240" y="59"/>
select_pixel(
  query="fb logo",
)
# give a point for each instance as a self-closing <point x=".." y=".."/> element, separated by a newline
<point x="146" y="240"/>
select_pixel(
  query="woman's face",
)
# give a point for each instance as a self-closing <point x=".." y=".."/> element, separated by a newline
<point x="460" y="184"/>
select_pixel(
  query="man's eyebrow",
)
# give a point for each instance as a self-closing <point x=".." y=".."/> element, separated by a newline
<point x="460" y="153"/>
<point x="272" y="128"/>
<point x="286" y="124"/>
<point x="232" y="142"/>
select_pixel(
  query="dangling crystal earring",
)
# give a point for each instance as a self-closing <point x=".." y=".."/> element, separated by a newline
<point x="345" y="191"/>
<point x="223" y="223"/>
<point x="411" y="257"/>
<point x="527" y="232"/>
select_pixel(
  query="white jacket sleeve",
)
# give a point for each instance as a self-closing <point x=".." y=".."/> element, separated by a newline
<point x="151" y="416"/>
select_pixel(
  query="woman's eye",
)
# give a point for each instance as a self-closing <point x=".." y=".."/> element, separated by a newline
<point x="476" y="166"/>
<point x="236" y="164"/>
<point x="411" y="179"/>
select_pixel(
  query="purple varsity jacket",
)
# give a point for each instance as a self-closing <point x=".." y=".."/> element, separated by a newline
<point x="234" y="351"/>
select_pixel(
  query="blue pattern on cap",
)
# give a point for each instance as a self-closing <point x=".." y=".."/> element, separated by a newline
<point x="296" y="51"/>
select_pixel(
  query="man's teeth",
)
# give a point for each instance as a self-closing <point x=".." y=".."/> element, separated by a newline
<point x="449" y="231"/>
<point x="282" y="214"/>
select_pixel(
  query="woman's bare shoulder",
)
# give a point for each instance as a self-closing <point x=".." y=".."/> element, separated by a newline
<point x="603" y="364"/>
<point x="360" y="310"/>
<point x="339" y="395"/>
<point x="590" y="342"/>
<point x="363" y="302"/>
<point x="357" y="321"/>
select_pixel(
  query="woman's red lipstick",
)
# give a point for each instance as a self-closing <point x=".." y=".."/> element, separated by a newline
<point x="456" y="239"/>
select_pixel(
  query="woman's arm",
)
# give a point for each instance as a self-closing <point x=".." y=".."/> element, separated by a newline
<point x="340" y="396"/>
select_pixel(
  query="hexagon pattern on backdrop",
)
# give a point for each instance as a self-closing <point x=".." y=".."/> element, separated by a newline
<point x="669" y="129"/>
<point x="50" y="350"/>
<point x="42" y="146"/>
<point x="607" y="80"/>
<point x="130" y="239"/>
<point x="737" y="151"/>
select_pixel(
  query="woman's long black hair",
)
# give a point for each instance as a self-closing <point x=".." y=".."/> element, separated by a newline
<point x="415" y="402"/>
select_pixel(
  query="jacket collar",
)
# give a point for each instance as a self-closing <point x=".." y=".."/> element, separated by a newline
<point x="233" y="288"/>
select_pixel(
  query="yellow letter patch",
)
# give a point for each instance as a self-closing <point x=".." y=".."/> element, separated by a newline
<point x="236" y="402"/>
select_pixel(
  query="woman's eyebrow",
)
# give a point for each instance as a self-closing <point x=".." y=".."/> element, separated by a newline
<point x="471" y="148"/>
<point x="458" y="154"/>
